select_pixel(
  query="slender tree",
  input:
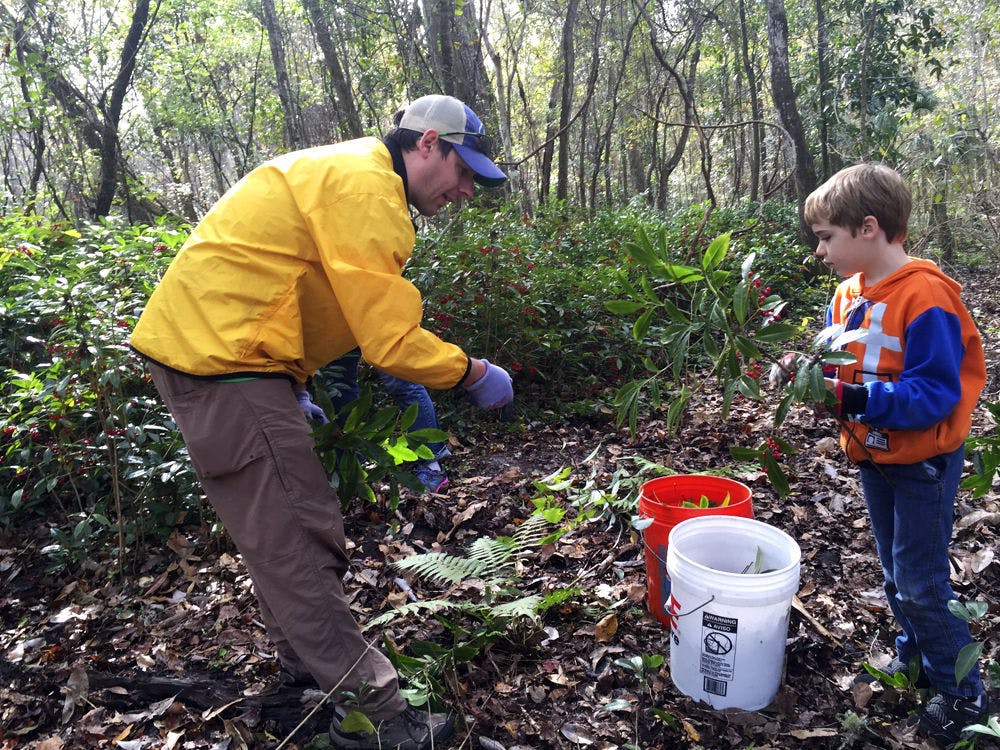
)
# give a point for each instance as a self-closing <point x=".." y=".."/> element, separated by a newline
<point x="294" y="136"/>
<point x="783" y="93"/>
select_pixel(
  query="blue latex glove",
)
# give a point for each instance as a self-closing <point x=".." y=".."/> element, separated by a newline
<point x="493" y="390"/>
<point x="310" y="409"/>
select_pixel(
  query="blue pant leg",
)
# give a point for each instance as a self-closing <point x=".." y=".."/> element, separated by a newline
<point x="405" y="393"/>
<point x="344" y="384"/>
<point x="911" y="510"/>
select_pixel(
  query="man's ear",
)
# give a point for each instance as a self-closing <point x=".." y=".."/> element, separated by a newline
<point x="428" y="142"/>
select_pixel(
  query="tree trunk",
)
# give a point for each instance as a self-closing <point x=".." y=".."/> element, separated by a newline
<point x="294" y="137"/>
<point x="566" y="97"/>
<point x="37" y="146"/>
<point x="823" y="67"/>
<point x="784" y="101"/>
<point x="755" y="108"/>
<point x="110" y="150"/>
<point x="939" y="215"/>
<point x="350" y="119"/>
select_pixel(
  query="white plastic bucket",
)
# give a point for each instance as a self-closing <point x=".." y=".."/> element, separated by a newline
<point x="728" y="627"/>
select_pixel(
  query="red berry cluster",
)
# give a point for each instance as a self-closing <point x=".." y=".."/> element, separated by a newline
<point x="771" y="448"/>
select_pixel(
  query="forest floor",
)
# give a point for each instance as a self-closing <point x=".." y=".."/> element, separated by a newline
<point x="174" y="656"/>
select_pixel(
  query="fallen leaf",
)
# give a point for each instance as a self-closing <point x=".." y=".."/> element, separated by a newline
<point x="75" y="689"/>
<point x="606" y="628"/>
<point x="576" y="733"/>
<point x="808" y="734"/>
<point x="691" y="731"/>
<point x="862" y="693"/>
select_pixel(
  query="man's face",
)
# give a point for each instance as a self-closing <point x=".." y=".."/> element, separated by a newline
<point x="434" y="179"/>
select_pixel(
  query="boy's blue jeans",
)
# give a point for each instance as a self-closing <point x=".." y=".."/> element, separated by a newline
<point x="911" y="510"/>
<point x="403" y="392"/>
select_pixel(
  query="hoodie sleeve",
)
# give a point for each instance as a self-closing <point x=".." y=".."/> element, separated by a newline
<point x="929" y="386"/>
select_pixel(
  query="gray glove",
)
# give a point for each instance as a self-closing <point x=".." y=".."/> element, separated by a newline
<point x="310" y="409"/>
<point x="493" y="390"/>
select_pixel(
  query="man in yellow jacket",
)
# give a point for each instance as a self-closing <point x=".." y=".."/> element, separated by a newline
<point x="299" y="263"/>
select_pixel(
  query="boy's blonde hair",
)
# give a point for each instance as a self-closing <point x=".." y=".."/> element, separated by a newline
<point x="866" y="189"/>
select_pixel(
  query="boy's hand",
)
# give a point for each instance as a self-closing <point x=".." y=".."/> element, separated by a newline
<point x="783" y="371"/>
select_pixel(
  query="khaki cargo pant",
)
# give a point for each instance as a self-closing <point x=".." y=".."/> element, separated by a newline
<point x="252" y="451"/>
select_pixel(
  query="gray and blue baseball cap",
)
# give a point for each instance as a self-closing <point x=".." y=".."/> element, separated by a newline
<point x="459" y="125"/>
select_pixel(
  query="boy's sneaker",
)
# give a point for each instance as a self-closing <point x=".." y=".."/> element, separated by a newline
<point x="945" y="716"/>
<point x="434" y="480"/>
<point x="896" y="667"/>
<point x="413" y="729"/>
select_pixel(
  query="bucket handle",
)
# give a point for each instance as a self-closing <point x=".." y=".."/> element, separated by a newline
<point x="656" y="555"/>
<point x="695" y="609"/>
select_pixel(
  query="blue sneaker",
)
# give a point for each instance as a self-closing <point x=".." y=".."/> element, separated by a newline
<point x="434" y="480"/>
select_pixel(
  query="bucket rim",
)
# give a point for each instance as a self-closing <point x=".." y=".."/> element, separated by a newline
<point x="655" y="491"/>
<point x="737" y="520"/>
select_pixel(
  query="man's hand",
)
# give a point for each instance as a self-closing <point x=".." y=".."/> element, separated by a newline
<point x="783" y="371"/>
<point x="312" y="412"/>
<point x="493" y="390"/>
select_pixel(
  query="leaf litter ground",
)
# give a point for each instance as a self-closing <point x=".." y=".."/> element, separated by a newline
<point x="174" y="655"/>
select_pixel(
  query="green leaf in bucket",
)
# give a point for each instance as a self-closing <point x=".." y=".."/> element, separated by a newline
<point x="725" y="501"/>
<point x="754" y="567"/>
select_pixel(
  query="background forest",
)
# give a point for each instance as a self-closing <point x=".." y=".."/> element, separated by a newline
<point x="641" y="269"/>
<point x="155" y="108"/>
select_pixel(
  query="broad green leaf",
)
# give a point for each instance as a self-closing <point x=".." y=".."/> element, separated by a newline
<point x="967" y="659"/>
<point x="715" y="252"/>
<point x="618" y="704"/>
<point x="355" y="721"/>
<point x="641" y="326"/>
<point x="849" y="337"/>
<point x="681" y="274"/>
<point x="777" y="332"/>
<point x="740" y="298"/>
<point x="839" y="358"/>
<point x="623" y="306"/>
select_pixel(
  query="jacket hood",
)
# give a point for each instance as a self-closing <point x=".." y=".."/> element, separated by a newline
<point x="916" y="266"/>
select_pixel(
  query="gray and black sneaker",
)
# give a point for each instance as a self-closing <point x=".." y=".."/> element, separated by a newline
<point x="945" y="716"/>
<point x="413" y="729"/>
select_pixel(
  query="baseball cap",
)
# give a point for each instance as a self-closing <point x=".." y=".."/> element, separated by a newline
<point x="459" y="125"/>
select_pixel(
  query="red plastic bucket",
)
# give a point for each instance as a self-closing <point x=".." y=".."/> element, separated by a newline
<point x="661" y="500"/>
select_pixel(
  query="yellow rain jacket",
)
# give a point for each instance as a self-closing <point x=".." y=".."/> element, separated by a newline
<point x="297" y="264"/>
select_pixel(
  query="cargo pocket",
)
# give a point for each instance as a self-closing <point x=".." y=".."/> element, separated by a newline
<point x="220" y="438"/>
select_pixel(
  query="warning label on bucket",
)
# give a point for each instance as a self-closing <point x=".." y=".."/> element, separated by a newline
<point x="718" y="651"/>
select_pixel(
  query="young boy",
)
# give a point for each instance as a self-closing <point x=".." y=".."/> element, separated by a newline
<point x="907" y="405"/>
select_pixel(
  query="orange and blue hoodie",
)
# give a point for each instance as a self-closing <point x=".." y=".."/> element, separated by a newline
<point x="919" y="370"/>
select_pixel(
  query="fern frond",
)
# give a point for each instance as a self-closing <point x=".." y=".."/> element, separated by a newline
<point x="493" y="553"/>
<point x="444" y="568"/>
<point x="431" y="606"/>
<point x="531" y="532"/>
<point x="526" y="606"/>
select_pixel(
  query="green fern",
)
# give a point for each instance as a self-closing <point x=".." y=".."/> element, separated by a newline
<point x="431" y="606"/>
<point x="491" y="560"/>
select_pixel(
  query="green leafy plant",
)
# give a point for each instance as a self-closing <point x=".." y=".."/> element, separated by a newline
<point x="984" y="452"/>
<point x="639" y="666"/>
<point x="501" y="608"/>
<point x="366" y="446"/>
<point x="902" y="680"/>
<point x="84" y="441"/>
<point x="697" y="322"/>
